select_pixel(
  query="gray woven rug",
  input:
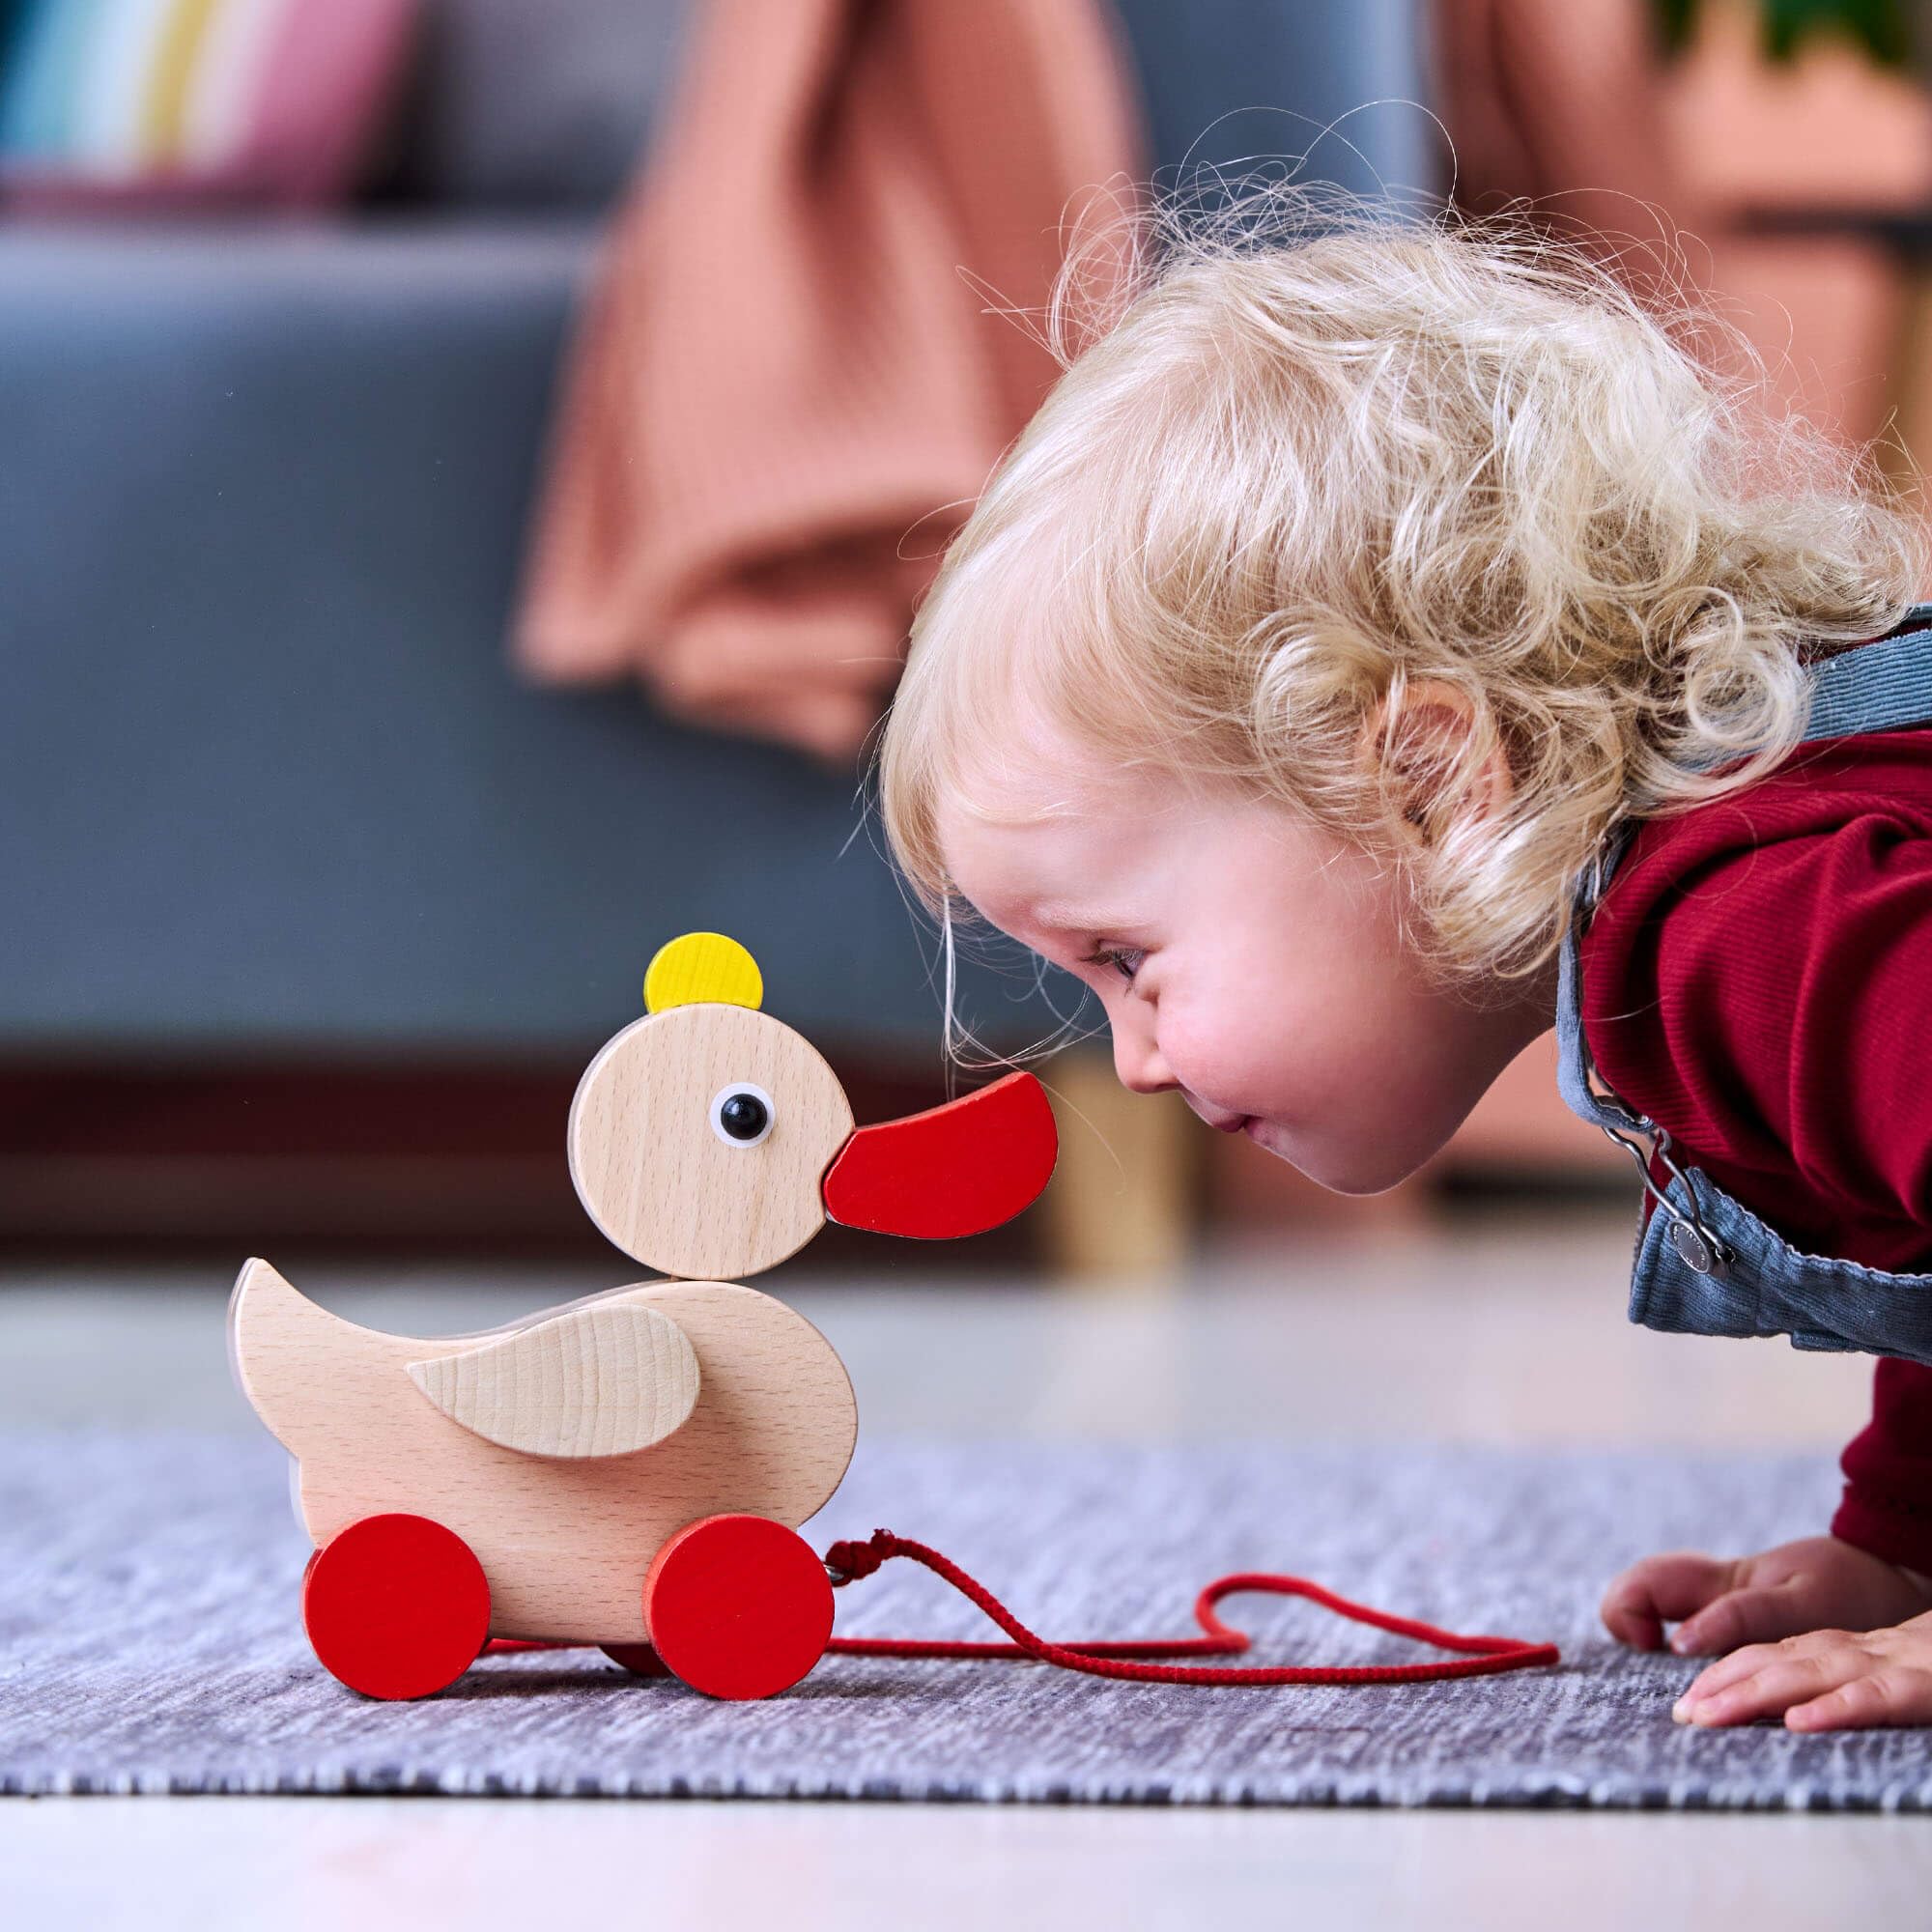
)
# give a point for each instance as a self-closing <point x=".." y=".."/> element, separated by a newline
<point x="150" y="1642"/>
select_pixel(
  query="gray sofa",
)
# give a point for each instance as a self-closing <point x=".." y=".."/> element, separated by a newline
<point x="268" y="782"/>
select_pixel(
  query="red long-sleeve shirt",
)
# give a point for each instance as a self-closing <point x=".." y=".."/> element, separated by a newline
<point x="1758" y="979"/>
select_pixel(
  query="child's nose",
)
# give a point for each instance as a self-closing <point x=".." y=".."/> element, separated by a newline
<point x="1138" y="1063"/>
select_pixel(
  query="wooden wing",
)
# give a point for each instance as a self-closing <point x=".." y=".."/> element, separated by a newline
<point x="595" y="1380"/>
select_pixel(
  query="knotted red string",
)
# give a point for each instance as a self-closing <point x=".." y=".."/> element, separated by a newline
<point x="1134" y="1659"/>
<point x="1483" y="1656"/>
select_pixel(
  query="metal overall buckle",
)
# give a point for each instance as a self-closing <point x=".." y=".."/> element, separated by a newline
<point x="1699" y="1247"/>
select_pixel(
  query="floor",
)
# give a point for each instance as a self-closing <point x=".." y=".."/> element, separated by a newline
<point x="1506" y="1327"/>
<point x="375" y="1863"/>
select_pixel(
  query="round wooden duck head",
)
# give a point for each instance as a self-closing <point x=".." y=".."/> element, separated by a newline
<point x="709" y="1141"/>
<point x="700" y="1134"/>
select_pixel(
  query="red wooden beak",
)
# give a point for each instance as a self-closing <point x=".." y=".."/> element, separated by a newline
<point x="953" y="1170"/>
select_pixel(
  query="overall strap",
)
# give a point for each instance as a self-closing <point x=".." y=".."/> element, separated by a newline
<point x="1884" y="684"/>
<point x="1878" y="686"/>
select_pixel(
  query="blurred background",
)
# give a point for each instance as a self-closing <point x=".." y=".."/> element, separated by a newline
<point x="466" y="469"/>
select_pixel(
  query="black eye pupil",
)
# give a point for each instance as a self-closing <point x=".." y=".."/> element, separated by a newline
<point x="742" y="1117"/>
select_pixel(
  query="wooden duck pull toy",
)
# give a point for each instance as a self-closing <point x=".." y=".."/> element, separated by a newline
<point x="629" y="1470"/>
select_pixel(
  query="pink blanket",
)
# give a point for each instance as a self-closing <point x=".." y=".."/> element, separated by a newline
<point x="787" y="390"/>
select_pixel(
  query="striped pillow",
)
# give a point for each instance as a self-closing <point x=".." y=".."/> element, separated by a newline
<point x="122" y="101"/>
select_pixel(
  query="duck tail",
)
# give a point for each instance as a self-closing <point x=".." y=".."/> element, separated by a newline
<point x="278" y="1342"/>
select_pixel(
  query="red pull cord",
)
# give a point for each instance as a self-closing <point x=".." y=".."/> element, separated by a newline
<point x="1483" y="1656"/>
<point x="849" y="1562"/>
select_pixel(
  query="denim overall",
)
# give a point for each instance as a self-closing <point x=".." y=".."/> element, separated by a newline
<point x="1704" y="1263"/>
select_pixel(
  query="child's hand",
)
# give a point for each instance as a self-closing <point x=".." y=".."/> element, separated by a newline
<point x="1829" y="1680"/>
<point x="1816" y="1584"/>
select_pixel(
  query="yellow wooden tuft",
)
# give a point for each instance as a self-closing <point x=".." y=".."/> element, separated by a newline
<point x="702" y="968"/>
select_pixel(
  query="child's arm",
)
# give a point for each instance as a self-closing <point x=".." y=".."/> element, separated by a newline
<point x="1788" y="972"/>
<point x="1887" y="1501"/>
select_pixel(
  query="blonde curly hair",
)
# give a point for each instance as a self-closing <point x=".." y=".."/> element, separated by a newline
<point x="1304" y="456"/>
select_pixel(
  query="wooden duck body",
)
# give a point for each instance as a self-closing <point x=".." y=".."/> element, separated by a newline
<point x="564" y="1541"/>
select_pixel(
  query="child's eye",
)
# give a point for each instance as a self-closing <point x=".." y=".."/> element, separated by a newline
<point x="1126" y="960"/>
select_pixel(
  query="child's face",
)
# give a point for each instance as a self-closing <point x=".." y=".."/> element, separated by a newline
<point x="1247" y="959"/>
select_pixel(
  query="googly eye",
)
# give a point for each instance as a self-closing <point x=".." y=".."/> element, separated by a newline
<point x="741" y="1114"/>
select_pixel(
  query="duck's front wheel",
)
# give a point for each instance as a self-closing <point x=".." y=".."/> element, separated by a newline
<point x="396" y="1607"/>
<point x="738" y="1607"/>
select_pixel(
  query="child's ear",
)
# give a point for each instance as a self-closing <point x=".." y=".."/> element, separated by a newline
<point x="1415" y="746"/>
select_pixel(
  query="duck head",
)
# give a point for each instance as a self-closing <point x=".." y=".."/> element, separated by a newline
<point x="710" y="1141"/>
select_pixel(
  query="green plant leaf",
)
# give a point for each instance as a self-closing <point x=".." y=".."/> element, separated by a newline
<point x="1881" y="29"/>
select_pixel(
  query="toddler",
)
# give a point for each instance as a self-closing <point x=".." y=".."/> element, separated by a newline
<point x="1391" y="640"/>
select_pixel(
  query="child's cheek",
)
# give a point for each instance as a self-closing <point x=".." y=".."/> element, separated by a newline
<point x="1225" y="1053"/>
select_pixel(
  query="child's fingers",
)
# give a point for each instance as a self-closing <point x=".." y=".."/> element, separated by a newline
<point x="1662" y="1589"/>
<point x="1825" y="1680"/>
<point x="1720" y="1676"/>
<point x="1878" y="1695"/>
<point x="1761" y="1614"/>
<point x="1741" y="1664"/>
<point x="1769" y="1679"/>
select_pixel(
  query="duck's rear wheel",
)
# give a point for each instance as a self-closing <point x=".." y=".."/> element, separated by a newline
<point x="396" y="1607"/>
<point x="738" y="1607"/>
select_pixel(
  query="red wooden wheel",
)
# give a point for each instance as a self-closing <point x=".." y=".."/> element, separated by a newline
<point x="396" y="1607"/>
<point x="738" y="1607"/>
<point x="638" y="1658"/>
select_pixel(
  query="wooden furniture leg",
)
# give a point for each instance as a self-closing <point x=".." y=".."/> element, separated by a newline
<point x="1125" y="1202"/>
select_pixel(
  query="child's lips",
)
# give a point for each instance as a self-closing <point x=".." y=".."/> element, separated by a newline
<point x="1222" y="1123"/>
